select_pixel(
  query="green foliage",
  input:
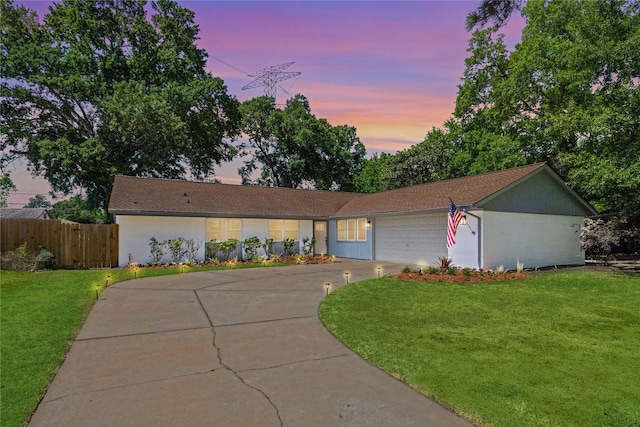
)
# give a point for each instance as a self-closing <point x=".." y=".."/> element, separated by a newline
<point x="275" y="257"/>
<point x="430" y="160"/>
<point x="288" y="246"/>
<point x="38" y="201"/>
<point x="445" y="262"/>
<point x="268" y="247"/>
<point x="45" y="259"/>
<point x="565" y="95"/>
<point x="97" y="89"/>
<point x="157" y="249"/>
<point x="21" y="259"/>
<point x="6" y="187"/>
<point x="292" y="148"/>
<point x="559" y="348"/>
<point x="407" y="269"/>
<point x="176" y="249"/>
<point x="251" y="246"/>
<point x="78" y="209"/>
<point x="227" y="247"/>
<point x="368" y="180"/>
<point x="307" y="245"/>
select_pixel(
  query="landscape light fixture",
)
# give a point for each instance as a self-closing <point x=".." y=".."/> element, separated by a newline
<point x="135" y="272"/>
<point x="107" y="283"/>
<point x="346" y="274"/>
<point x="379" y="268"/>
<point x="327" y="286"/>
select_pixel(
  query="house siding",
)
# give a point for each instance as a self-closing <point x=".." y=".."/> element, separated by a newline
<point x="534" y="240"/>
<point x="356" y="250"/>
<point x="539" y="194"/>
<point x="136" y="231"/>
<point x="466" y="252"/>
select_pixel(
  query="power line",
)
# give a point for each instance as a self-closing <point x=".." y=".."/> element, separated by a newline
<point x="229" y="65"/>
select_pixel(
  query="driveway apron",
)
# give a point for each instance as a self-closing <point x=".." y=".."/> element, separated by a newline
<point x="227" y="348"/>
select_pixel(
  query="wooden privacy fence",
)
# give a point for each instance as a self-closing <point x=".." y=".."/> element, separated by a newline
<point x="74" y="245"/>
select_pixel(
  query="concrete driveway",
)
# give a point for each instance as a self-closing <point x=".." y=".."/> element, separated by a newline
<point x="226" y="348"/>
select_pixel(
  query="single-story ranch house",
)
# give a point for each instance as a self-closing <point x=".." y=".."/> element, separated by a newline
<point x="526" y="214"/>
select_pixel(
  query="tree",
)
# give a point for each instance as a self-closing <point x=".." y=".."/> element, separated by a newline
<point x="293" y="148"/>
<point x="97" y="90"/>
<point x="6" y="187"/>
<point x="431" y="160"/>
<point x="78" y="209"/>
<point x="568" y="94"/>
<point x="498" y="11"/>
<point x="38" y="201"/>
<point x="369" y="178"/>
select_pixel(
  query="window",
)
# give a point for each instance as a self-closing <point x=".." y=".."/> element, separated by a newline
<point x="280" y="229"/>
<point x="221" y="229"/>
<point x="352" y="229"/>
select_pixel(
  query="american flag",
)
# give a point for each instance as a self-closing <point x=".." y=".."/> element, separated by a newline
<point x="454" y="219"/>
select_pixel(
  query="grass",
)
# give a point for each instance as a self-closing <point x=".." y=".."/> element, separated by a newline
<point x="40" y="315"/>
<point x="557" y="349"/>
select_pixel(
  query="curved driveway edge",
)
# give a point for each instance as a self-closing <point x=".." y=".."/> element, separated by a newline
<point x="227" y="348"/>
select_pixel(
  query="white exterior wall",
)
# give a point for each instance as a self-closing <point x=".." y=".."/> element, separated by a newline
<point x="305" y="229"/>
<point x="533" y="239"/>
<point x="135" y="232"/>
<point x="467" y="249"/>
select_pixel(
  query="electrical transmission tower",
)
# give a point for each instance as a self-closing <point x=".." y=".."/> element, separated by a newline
<point x="269" y="78"/>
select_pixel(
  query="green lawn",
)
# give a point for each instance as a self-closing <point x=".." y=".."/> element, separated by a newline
<point x="557" y="349"/>
<point x="40" y="315"/>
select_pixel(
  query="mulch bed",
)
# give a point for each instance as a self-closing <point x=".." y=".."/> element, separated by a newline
<point x="459" y="276"/>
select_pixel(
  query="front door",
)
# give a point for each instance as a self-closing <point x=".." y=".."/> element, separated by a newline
<point x="320" y="233"/>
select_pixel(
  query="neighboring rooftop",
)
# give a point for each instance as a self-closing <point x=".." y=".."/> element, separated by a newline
<point x="25" y="213"/>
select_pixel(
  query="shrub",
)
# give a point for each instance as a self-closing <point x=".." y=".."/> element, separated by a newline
<point x="176" y="249"/>
<point x="19" y="259"/>
<point x="288" y="246"/>
<point x="156" y="250"/>
<point x="275" y="257"/>
<point x="211" y="249"/>
<point x="191" y="248"/>
<point x="268" y="247"/>
<point x="519" y="266"/>
<point x="432" y="270"/>
<point x="445" y="262"/>
<point x="45" y="259"/>
<point x="251" y="246"/>
<point x="407" y="269"/>
<point x="307" y="245"/>
<point x="227" y="247"/>
<point x="606" y="238"/>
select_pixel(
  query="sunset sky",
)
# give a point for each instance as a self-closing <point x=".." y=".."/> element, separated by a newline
<point x="388" y="68"/>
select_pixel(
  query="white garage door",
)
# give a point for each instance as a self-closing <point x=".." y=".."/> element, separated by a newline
<point x="411" y="239"/>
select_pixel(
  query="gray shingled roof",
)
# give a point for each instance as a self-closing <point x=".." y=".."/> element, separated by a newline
<point x="24" y="213"/>
<point x="174" y="197"/>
